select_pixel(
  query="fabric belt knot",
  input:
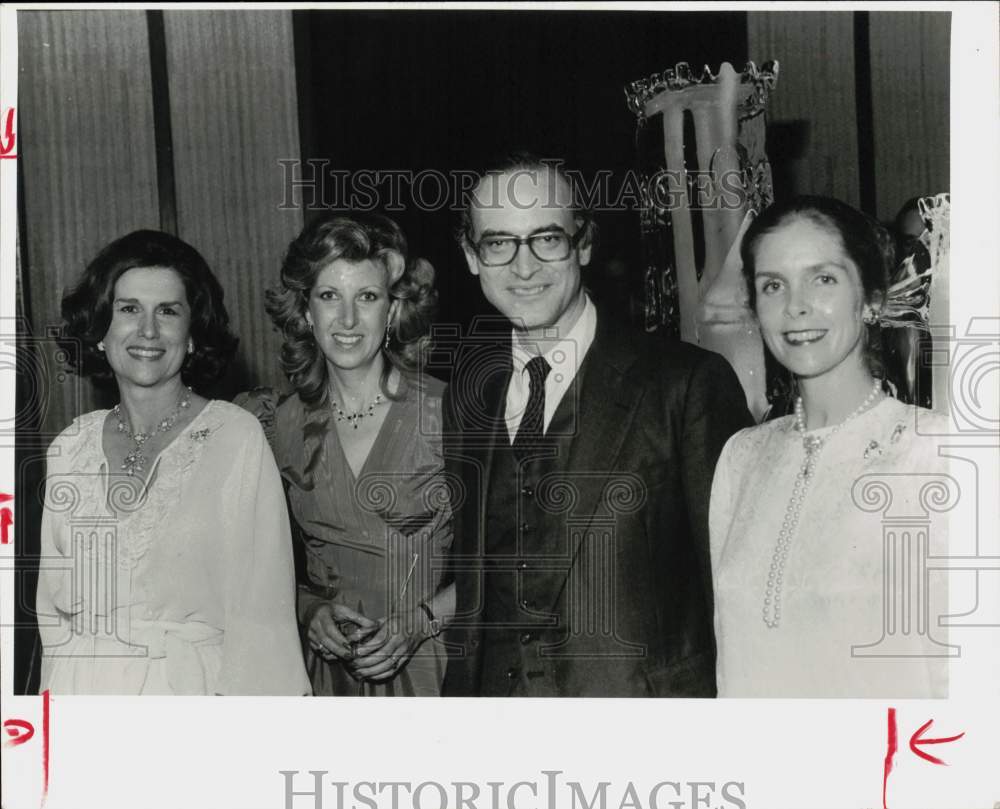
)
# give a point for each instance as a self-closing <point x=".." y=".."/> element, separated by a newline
<point x="176" y="642"/>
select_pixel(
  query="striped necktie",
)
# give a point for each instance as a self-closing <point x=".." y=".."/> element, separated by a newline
<point x="532" y="421"/>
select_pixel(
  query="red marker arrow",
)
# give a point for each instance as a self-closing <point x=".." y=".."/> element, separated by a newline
<point x="917" y="738"/>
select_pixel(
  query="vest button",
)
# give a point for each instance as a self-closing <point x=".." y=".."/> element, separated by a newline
<point x="525" y="528"/>
<point x="527" y="491"/>
<point x="522" y="565"/>
<point x="525" y="604"/>
<point x="511" y="674"/>
<point x="526" y="638"/>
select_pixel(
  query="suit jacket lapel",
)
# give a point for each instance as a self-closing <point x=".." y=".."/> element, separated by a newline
<point x="609" y="399"/>
<point x="493" y="413"/>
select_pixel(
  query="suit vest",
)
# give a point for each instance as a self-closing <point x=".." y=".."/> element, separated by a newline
<point x="527" y="549"/>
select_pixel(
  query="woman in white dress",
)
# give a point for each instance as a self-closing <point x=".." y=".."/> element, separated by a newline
<point x="166" y="555"/>
<point x="816" y="593"/>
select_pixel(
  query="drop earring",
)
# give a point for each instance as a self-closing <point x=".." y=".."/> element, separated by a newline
<point x="100" y="346"/>
<point x="388" y="325"/>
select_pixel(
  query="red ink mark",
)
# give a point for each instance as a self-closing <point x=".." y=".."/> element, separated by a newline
<point x="9" y="140"/>
<point x="19" y="732"/>
<point x="6" y="519"/>
<point x="45" y="745"/>
<point x="917" y="738"/>
<point x="889" y="754"/>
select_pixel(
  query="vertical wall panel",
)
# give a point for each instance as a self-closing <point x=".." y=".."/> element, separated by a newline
<point x="86" y="145"/>
<point x="910" y="59"/>
<point x="234" y="115"/>
<point x="814" y="98"/>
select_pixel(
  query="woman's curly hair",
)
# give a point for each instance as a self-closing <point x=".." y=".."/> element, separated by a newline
<point x="353" y="237"/>
<point x="87" y="308"/>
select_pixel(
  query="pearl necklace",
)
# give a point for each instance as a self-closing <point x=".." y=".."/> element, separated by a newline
<point x="812" y="444"/>
<point x="135" y="460"/>
<point x="357" y="415"/>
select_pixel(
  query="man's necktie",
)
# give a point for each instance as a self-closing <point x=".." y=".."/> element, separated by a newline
<point x="533" y="420"/>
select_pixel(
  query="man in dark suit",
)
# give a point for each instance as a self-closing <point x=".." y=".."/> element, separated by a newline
<point x="583" y="457"/>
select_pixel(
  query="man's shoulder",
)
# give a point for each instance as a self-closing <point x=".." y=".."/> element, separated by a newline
<point x="653" y="354"/>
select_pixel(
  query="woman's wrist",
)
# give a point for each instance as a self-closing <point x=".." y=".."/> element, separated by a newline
<point x="432" y="625"/>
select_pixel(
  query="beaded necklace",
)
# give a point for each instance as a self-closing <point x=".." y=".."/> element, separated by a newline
<point x="812" y="444"/>
<point x="357" y="415"/>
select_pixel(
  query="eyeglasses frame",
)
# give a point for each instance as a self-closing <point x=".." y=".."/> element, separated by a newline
<point x="574" y="240"/>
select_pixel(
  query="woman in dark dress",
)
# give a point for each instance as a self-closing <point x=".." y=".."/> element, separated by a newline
<point x="359" y="446"/>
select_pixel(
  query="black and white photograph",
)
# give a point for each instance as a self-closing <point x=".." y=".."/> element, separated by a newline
<point x="537" y="356"/>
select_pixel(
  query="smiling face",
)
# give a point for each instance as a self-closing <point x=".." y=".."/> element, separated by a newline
<point x="810" y="300"/>
<point x="149" y="335"/>
<point x="534" y="295"/>
<point x="349" y="308"/>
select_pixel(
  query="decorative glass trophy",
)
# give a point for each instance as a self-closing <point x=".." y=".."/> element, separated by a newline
<point x="916" y="304"/>
<point x="704" y="176"/>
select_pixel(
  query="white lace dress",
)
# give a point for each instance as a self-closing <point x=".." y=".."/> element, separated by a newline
<point x="859" y="609"/>
<point x="184" y="588"/>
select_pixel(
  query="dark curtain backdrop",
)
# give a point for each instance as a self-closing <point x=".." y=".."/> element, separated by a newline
<point x="861" y="111"/>
<point x="446" y="90"/>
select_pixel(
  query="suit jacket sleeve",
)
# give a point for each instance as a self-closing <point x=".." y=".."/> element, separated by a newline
<point x="450" y="450"/>
<point x="715" y="408"/>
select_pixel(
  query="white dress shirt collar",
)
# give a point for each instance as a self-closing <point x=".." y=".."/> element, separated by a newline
<point x="564" y="354"/>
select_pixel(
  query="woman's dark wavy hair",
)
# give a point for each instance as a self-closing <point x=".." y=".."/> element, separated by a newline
<point x="87" y="308"/>
<point x="865" y="241"/>
<point x="357" y="236"/>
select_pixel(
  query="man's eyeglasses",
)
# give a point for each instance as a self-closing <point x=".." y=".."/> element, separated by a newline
<point x="501" y="249"/>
